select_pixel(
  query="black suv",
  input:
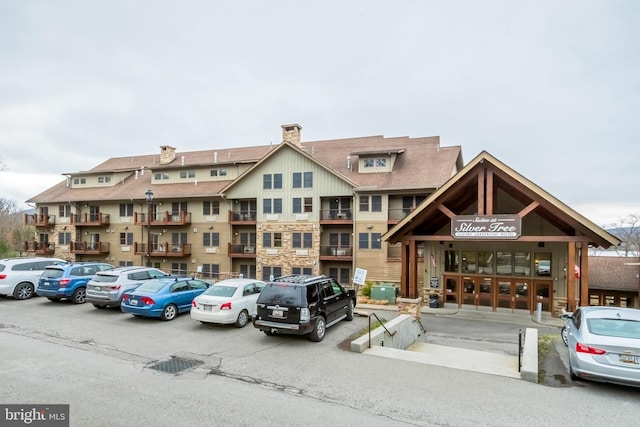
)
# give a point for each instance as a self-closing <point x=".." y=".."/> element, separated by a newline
<point x="303" y="304"/>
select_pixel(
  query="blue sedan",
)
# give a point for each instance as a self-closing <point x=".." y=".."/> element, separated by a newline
<point x="163" y="298"/>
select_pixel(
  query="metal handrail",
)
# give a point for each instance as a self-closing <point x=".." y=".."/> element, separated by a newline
<point x="382" y="324"/>
<point x="520" y="349"/>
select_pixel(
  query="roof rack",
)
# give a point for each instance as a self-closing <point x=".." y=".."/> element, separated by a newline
<point x="299" y="278"/>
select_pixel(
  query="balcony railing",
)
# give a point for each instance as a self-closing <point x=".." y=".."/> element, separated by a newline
<point x="163" y="218"/>
<point x="174" y="250"/>
<point x="90" y="219"/>
<point x="89" y="248"/>
<point x="242" y="251"/>
<point x="344" y="253"/>
<point x="39" y="220"/>
<point x="336" y="216"/>
<point x="39" y="248"/>
<point x="242" y="217"/>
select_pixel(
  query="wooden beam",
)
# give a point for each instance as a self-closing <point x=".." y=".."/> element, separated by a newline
<point x="442" y="208"/>
<point x="571" y="281"/>
<point x="488" y="207"/>
<point x="584" y="274"/>
<point x="528" y="209"/>
<point x="481" y="191"/>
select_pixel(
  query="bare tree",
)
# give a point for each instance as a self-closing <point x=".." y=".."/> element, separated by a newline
<point x="627" y="229"/>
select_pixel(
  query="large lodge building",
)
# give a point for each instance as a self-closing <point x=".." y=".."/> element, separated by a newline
<point x="405" y="210"/>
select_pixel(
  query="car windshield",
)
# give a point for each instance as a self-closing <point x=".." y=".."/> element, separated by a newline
<point x="618" y="328"/>
<point x="151" y="286"/>
<point x="281" y="294"/>
<point x="104" y="278"/>
<point x="220" y="291"/>
<point x="52" y="273"/>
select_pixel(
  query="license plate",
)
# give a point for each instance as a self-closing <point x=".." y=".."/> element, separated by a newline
<point x="277" y="313"/>
<point x="134" y="302"/>
<point x="633" y="360"/>
<point x="206" y="307"/>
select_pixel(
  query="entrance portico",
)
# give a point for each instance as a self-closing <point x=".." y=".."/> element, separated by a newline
<point x="495" y="240"/>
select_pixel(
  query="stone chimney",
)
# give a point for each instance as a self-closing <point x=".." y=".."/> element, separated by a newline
<point x="167" y="154"/>
<point x="291" y="134"/>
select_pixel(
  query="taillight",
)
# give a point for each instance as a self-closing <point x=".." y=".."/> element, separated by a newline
<point x="226" y="306"/>
<point x="3" y="276"/>
<point x="147" y="300"/>
<point x="125" y="297"/>
<point x="193" y="303"/>
<point x="305" y="315"/>
<point x="112" y="287"/>
<point x="64" y="282"/>
<point x="581" y="348"/>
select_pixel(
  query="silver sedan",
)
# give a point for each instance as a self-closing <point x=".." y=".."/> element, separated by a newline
<point x="604" y="344"/>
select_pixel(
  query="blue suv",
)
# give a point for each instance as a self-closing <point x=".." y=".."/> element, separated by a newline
<point x="69" y="281"/>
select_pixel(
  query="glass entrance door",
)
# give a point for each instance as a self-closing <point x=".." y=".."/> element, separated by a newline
<point x="542" y="295"/>
<point x="469" y="291"/>
<point x="522" y="292"/>
<point x="486" y="292"/>
<point x="451" y="289"/>
<point x="506" y="291"/>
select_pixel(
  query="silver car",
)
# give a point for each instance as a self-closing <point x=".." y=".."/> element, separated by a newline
<point x="107" y="287"/>
<point x="604" y="344"/>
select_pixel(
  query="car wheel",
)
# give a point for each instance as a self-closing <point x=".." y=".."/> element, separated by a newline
<point x="170" y="312"/>
<point x="565" y="336"/>
<point x="350" y="310"/>
<point x="98" y="306"/>
<point x="79" y="296"/>
<point x="318" y="331"/>
<point x="23" y="291"/>
<point x="243" y="319"/>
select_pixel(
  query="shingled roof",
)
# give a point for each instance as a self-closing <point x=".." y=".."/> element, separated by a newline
<point x="614" y="273"/>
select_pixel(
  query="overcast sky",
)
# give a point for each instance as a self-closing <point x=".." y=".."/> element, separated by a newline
<point x="551" y="88"/>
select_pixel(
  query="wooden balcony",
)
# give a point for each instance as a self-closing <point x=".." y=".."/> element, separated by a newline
<point x="90" y="220"/>
<point x="336" y="253"/>
<point x="89" y="248"/>
<point x="39" y="220"/>
<point x="176" y="250"/>
<point x="336" y="216"/>
<point x="242" y="251"/>
<point x="242" y="217"/>
<point x="163" y="218"/>
<point x="39" y="248"/>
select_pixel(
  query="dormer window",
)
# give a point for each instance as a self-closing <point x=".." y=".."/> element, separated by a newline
<point x="378" y="162"/>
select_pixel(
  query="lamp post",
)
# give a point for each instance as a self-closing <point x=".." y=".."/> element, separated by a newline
<point x="149" y="197"/>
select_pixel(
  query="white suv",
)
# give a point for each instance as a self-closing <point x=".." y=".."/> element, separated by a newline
<point x="19" y="276"/>
<point x="106" y="287"/>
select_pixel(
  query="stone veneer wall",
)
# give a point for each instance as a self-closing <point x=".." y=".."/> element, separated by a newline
<point x="286" y="256"/>
<point x="410" y="306"/>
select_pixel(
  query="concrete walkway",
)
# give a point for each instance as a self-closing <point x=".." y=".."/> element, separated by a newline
<point x="462" y="358"/>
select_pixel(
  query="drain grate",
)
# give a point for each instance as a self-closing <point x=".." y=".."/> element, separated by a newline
<point x="175" y="365"/>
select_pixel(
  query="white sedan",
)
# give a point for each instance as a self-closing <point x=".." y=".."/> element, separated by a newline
<point x="230" y="301"/>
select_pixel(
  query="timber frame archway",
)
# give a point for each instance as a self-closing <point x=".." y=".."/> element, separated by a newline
<point x="465" y="215"/>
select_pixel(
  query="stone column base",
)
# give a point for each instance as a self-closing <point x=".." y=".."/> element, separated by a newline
<point x="410" y="306"/>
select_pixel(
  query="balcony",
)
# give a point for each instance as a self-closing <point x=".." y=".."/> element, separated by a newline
<point x="242" y="251"/>
<point x="336" y="216"/>
<point x="336" y="253"/>
<point x="173" y="250"/>
<point x="163" y="218"/>
<point x="397" y="215"/>
<point x="89" y="248"/>
<point x="39" y="220"/>
<point x="39" y="248"/>
<point x="90" y="219"/>
<point x="242" y="217"/>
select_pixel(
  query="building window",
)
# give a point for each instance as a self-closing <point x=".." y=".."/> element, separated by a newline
<point x="364" y="203"/>
<point x="270" y="206"/>
<point x="302" y="180"/>
<point x="126" y="209"/>
<point x="248" y="271"/>
<point x="210" y="271"/>
<point x="302" y="204"/>
<point x="211" y="207"/>
<point x="211" y="240"/>
<point x="376" y="203"/>
<point x="341" y="275"/>
<point x="363" y="240"/>
<point x="302" y="270"/>
<point x="64" y="211"/>
<point x="64" y="238"/>
<point x="272" y="240"/>
<point x="126" y="239"/>
<point x="376" y="241"/>
<point x="302" y="240"/>
<point x="161" y="176"/>
<point x="79" y="180"/>
<point x="270" y="272"/>
<point x="373" y="203"/>
<point x="125" y="263"/>
<point x="179" y="268"/>
<point x="218" y="172"/>
<point x="104" y="179"/>
<point x="271" y="181"/>
<point x="379" y="162"/>
<point x="187" y="174"/>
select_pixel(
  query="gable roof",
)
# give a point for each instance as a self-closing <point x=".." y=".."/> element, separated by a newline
<point x="548" y="205"/>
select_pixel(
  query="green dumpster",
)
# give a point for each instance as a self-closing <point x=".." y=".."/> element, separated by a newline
<point x="384" y="292"/>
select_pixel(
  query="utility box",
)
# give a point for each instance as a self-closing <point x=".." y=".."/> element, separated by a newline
<point x="384" y="292"/>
